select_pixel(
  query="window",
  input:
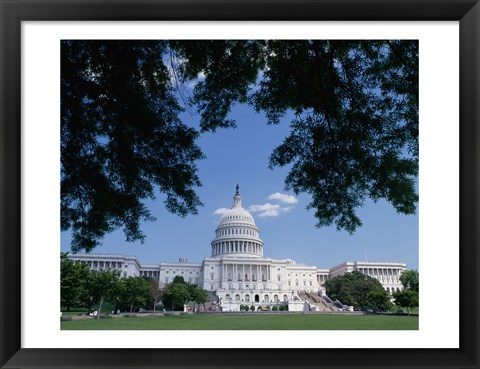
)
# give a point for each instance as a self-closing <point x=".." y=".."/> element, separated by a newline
<point x="237" y="297"/>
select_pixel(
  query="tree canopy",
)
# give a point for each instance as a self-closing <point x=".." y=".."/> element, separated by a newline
<point x="409" y="296"/>
<point x="359" y="290"/>
<point x="410" y="280"/>
<point x="353" y="136"/>
<point x="73" y="276"/>
<point x="179" y="292"/>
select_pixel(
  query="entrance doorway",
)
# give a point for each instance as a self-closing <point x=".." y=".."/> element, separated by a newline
<point x="257" y="298"/>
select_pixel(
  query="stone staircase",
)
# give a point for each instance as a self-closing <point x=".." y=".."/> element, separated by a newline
<point x="317" y="301"/>
<point x="212" y="303"/>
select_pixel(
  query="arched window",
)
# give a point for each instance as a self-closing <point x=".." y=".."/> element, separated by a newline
<point x="275" y="298"/>
<point x="266" y="298"/>
<point x="237" y="297"/>
<point x="285" y="297"/>
<point x="227" y="297"/>
<point x="247" y="298"/>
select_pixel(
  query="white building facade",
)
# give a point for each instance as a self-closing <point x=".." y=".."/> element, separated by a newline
<point x="238" y="272"/>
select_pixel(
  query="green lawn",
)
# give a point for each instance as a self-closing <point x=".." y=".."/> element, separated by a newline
<point x="250" y="322"/>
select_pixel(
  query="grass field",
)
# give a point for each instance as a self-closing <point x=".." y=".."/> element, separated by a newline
<point x="249" y="322"/>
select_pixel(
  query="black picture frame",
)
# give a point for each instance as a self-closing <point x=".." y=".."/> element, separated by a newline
<point x="467" y="12"/>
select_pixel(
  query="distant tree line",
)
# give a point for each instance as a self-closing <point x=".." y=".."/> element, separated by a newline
<point x="408" y="297"/>
<point x="366" y="293"/>
<point x="82" y="287"/>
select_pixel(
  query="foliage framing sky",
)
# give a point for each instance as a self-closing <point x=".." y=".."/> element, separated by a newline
<point x="288" y="230"/>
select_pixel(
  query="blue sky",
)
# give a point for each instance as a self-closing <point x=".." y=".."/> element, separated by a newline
<point x="240" y="156"/>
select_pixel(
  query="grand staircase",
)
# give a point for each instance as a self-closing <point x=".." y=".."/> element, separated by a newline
<point x="320" y="303"/>
<point x="212" y="303"/>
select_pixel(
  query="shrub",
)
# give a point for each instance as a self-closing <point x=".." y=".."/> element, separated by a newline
<point x="252" y="308"/>
<point x="281" y="308"/>
<point x="259" y="308"/>
<point x="274" y="308"/>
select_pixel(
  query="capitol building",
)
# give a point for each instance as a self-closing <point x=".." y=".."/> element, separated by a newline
<point x="237" y="271"/>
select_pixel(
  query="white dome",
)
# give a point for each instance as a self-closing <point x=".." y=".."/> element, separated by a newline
<point x="237" y="232"/>
<point x="237" y="213"/>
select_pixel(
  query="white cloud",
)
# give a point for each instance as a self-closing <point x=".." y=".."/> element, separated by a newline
<point x="286" y="199"/>
<point x="268" y="210"/>
<point x="220" y="211"/>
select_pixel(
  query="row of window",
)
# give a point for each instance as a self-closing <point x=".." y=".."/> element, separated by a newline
<point x="256" y="298"/>
<point x="296" y="274"/>
<point x="182" y="272"/>
<point x="297" y="283"/>
<point x="253" y="277"/>
<point x="236" y="231"/>
<point x="233" y="217"/>
<point x="148" y="273"/>
<point x="103" y="264"/>
<point x="247" y="286"/>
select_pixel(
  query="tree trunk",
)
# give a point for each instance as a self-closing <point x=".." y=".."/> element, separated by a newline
<point x="100" y="308"/>
<point x="131" y="309"/>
